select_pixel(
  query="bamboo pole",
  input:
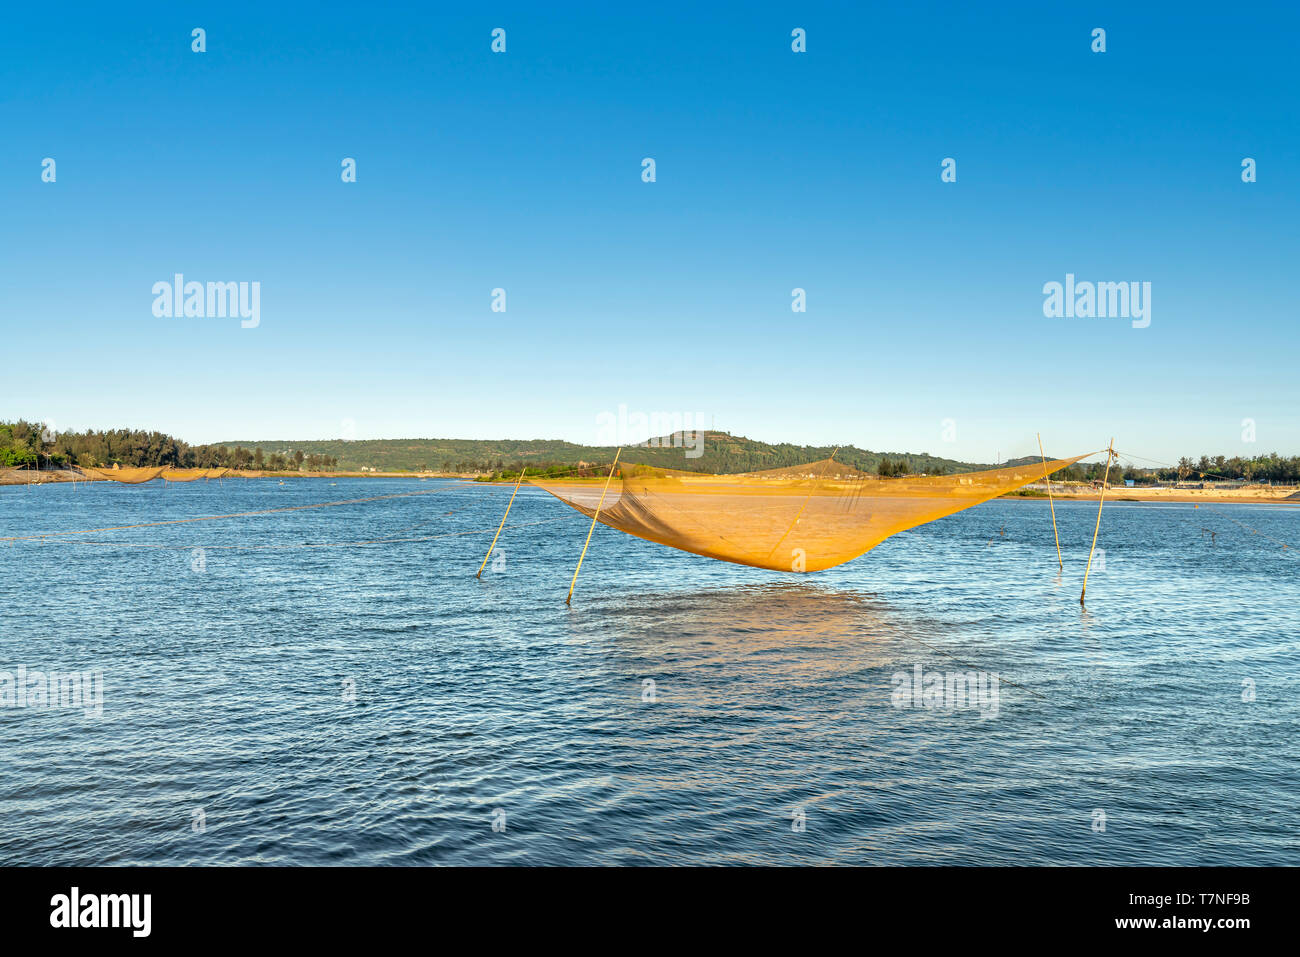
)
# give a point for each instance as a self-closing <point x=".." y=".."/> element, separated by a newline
<point x="1110" y="452"/>
<point x="569" y="599"/>
<point x="1047" y="478"/>
<point x="503" y="522"/>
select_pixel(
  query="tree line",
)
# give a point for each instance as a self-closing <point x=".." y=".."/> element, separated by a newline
<point x="31" y="445"/>
<point x="1270" y="468"/>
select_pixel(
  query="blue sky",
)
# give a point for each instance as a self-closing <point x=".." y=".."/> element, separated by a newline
<point x="775" y="170"/>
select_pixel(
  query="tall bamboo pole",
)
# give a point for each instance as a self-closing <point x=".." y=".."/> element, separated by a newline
<point x="1055" y="534"/>
<point x="503" y="522"/>
<point x="1110" y="452"/>
<point x="569" y="599"/>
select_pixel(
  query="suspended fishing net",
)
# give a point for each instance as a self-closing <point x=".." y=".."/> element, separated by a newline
<point x="131" y="476"/>
<point x="183" y="475"/>
<point x="137" y="476"/>
<point x="806" y="518"/>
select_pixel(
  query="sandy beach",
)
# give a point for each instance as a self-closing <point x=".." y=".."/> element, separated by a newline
<point x="1279" y="494"/>
<point x="49" y="476"/>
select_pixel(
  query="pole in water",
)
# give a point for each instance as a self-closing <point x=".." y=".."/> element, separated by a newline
<point x="503" y="522"/>
<point x="1110" y="452"/>
<point x="569" y="599"/>
<point x="1046" y="478"/>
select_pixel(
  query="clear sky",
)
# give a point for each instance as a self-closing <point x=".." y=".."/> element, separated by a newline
<point x="774" y="170"/>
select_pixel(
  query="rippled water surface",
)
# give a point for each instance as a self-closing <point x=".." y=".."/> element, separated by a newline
<point x="228" y="733"/>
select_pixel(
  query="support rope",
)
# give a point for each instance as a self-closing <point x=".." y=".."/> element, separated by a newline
<point x="213" y="518"/>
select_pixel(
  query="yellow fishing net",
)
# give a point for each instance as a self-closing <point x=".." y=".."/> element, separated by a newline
<point x="131" y="476"/>
<point x="806" y="518"/>
<point x="137" y="476"/>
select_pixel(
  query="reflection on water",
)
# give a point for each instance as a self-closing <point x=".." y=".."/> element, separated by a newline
<point x="800" y="632"/>
<point x="379" y="704"/>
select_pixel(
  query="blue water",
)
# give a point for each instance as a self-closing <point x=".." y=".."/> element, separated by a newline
<point x="376" y="704"/>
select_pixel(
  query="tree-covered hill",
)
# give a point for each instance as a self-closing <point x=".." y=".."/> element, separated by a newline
<point x="721" y="452"/>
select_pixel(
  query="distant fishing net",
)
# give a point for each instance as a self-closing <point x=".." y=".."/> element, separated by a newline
<point x="805" y="518"/>
<point x="138" y="476"/>
<point x="131" y="476"/>
<point x="190" y="475"/>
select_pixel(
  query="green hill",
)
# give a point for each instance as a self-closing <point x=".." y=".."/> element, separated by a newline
<point x="722" y="453"/>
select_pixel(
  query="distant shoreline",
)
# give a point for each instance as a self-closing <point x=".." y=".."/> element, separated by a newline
<point x="50" y="476"/>
<point x="1254" y="494"/>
